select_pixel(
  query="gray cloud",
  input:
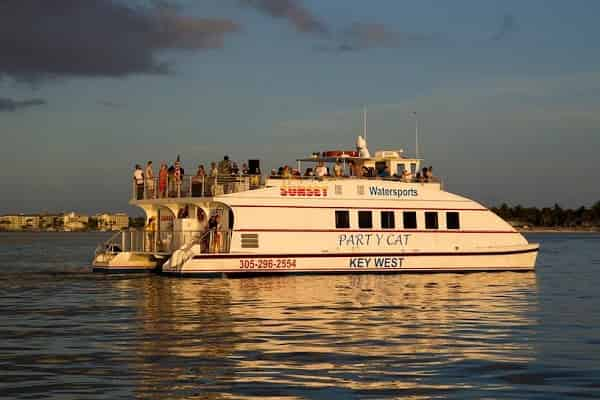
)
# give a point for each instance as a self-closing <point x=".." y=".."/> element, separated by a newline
<point x="8" y="105"/>
<point x="509" y="25"/>
<point x="65" y="38"/>
<point x="368" y="35"/>
<point x="111" y="104"/>
<point x="293" y="11"/>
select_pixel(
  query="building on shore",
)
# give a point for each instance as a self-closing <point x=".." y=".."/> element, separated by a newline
<point x="68" y="222"/>
<point x="75" y="222"/>
<point x="19" y="222"/>
<point x="51" y="222"/>
<point x="112" y="222"/>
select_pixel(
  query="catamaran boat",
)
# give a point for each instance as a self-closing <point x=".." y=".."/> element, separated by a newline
<point x="376" y="215"/>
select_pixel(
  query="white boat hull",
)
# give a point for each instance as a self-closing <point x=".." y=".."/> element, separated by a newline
<point x="514" y="258"/>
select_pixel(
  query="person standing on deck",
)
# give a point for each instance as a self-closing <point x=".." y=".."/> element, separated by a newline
<point x="163" y="176"/>
<point x="171" y="181"/>
<point x="178" y="176"/>
<point x="150" y="229"/>
<point x="198" y="182"/>
<point x="338" y="169"/>
<point x="321" y="170"/>
<point x="138" y="178"/>
<point x="149" y="175"/>
<point x="212" y="227"/>
<point x="218" y="238"/>
<point x="225" y="166"/>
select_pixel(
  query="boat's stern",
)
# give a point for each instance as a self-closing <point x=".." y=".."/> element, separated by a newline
<point x="124" y="261"/>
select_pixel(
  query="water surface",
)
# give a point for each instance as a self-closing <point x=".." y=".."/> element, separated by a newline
<point x="68" y="333"/>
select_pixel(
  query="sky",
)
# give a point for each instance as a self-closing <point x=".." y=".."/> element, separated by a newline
<point x="507" y="92"/>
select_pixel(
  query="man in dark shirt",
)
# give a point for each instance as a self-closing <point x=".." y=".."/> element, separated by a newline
<point x="225" y="166"/>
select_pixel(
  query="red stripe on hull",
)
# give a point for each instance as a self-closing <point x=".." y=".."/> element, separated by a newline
<point x="370" y="231"/>
<point x="357" y="208"/>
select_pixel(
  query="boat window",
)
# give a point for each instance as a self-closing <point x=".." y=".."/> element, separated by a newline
<point x="452" y="220"/>
<point x="410" y="219"/>
<point x="400" y="169"/>
<point x="413" y="168"/>
<point x="365" y="219"/>
<point x="431" y="220"/>
<point x="387" y="220"/>
<point x="380" y="167"/>
<point x="342" y="219"/>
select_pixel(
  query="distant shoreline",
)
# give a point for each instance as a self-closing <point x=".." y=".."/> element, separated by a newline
<point x="43" y="231"/>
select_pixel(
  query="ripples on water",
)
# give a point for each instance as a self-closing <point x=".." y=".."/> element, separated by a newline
<point x="68" y="333"/>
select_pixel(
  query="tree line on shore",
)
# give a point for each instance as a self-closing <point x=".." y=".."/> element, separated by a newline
<point x="550" y="217"/>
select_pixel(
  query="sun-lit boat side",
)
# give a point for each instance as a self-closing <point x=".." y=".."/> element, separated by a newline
<point x="343" y="224"/>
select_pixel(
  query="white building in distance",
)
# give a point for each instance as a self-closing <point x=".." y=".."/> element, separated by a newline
<point x="112" y="222"/>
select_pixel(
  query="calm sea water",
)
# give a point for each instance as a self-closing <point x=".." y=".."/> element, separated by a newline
<point x="68" y="333"/>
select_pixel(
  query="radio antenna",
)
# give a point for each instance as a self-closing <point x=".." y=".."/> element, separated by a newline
<point x="365" y="122"/>
<point x="416" y="134"/>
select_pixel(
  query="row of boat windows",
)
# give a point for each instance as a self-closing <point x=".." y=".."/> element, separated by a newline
<point x="388" y="220"/>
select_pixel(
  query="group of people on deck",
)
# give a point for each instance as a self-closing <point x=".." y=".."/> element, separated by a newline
<point x="352" y="170"/>
<point x="169" y="181"/>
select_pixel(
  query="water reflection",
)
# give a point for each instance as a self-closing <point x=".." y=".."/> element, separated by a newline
<point x="327" y="337"/>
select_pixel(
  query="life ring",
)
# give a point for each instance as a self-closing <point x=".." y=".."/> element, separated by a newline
<point x="340" y="153"/>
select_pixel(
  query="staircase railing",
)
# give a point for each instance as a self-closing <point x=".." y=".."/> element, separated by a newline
<point x="111" y="245"/>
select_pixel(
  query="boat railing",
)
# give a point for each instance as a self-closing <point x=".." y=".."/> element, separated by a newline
<point x="110" y="246"/>
<point x="166" y="242"/>
<point x="193" y="186"/>
<point x="326" y="178"/>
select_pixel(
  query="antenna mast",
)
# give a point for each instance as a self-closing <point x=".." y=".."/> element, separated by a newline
<point x="416" y="134"/>
<point x="365" y="122"/>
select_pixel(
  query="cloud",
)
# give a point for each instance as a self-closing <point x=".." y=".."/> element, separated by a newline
<point x="68" y="38"/>
<point x="293" y="11"/>
<point x="111" y="104"/>
<point x="361" y="36"/>
<point x="10" y="105"/>
<point x="509" y="25"/>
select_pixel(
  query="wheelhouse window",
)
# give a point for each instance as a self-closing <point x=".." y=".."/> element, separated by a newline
<point x="365" y="219"/>
<point x="452" y="220"/>
<point x="431" y="220"/>
<point x="400" y="169"/>
<point x="342" y="219"/>
<point x="410" y="219"/>
<point x="387" y="220"/>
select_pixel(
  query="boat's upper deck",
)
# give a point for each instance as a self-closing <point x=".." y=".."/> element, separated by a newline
<point x="341" y="166"/>
<point x="210" y="187"/>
